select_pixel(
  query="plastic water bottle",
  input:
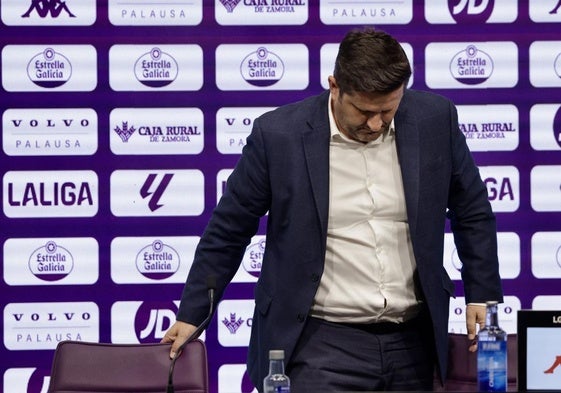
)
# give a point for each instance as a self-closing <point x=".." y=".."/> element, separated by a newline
<point x="492" y="353"/>
<point x="276" y="381"/>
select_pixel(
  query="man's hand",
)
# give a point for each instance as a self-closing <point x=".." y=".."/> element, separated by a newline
<point x="475" y="315"/>
<point x="177" y="334"/>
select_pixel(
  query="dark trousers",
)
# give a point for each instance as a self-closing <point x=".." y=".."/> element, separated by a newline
<point x="335" y="357"/>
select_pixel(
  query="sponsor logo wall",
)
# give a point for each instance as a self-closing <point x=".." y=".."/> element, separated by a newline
<point x="121" y="122"/>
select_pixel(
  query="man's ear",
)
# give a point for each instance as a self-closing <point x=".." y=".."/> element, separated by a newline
<point x="333" y="87"/>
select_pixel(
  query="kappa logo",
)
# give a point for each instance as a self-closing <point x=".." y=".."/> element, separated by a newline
<point x="147" y="188"/>
<point x="44" y="8"/>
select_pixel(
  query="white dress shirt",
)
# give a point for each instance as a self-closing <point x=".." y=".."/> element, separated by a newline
<point x="369" y="263"/>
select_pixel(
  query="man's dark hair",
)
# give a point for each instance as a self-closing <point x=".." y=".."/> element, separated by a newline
<point x="370" y="61"/>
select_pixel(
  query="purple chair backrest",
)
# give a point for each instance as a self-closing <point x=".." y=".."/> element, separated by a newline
<point x="97" y="367"/>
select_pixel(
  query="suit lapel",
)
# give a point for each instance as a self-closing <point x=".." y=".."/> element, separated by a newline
<point x="316" y="149"/>
<point x="407" y="140"/>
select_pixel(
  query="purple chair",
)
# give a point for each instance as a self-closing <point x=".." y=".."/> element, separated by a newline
<point x="141" y="368"/>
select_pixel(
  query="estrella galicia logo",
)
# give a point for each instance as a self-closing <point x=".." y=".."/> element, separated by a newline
<point x="262" y="68"/>
<point x="471" y="11"/>
<point x="253" y="258"/>
<point x="471" y="66"/>
<point x="146" y="189"/>
<point x="157" y="261"/>
<point x="49" y="69"/>
<point x="153" y="319"/>
<point x="230" y="4"/>
<point x="44" y="8"/>
<point x="232" y="324"/>
<point x="124" y="132"/>
<point x="51" y="262"/>
<point x="156" y="68"/>
<point x="557" y="126"/>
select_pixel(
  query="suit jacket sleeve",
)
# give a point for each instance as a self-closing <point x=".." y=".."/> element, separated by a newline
<point x="233" y="223"/>
<point x="473" y="223"/>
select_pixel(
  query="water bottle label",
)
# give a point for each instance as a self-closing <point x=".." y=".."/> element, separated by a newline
<point x="492" y="366"/>
<point x="282" y="389"/>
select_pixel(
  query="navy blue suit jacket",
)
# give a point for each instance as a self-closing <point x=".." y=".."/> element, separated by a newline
<point x="284" y="170"/>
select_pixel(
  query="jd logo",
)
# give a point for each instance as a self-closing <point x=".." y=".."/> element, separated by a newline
<point x="158" y="323"/>
<point x="46" y="7"/>
<point x="471" y="10"/>
<point x="146" y="190"/>
<point x="153" y="319"/>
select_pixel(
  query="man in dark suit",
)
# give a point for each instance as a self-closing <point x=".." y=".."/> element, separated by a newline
<point x="358" y="182"/>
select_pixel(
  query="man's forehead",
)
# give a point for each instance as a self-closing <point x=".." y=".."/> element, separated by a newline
<point x="374" y="101"/>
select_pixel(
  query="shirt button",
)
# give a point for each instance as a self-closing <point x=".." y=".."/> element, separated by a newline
<point x="301" y="317"/>
<point x="315" y="277"/>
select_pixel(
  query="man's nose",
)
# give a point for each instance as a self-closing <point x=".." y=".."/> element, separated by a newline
<point x="375" y="122"/>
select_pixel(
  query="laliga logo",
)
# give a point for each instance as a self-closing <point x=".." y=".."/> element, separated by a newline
<point x="262" y="68"/>
<point x="51" y="262"/>
<point x="471" y="66"/>
<point x="157" y="261"/>
<point x="49" y="69"/>
<point x="156" y="68"/>
<point x="253" y="258"/>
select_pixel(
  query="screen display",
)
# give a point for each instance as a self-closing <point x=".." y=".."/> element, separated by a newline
<point x="543" y="358"/>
